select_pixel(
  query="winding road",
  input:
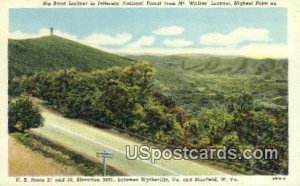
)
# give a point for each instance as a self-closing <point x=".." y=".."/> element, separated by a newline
<point x="87" y="140"/>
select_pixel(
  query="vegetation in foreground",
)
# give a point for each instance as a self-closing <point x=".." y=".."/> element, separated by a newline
<point x="23" y="114"/>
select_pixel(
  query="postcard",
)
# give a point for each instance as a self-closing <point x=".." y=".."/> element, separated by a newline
<point x="149" y="92"/>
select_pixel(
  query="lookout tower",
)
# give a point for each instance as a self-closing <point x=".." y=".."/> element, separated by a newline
<point x="51" y="31"/>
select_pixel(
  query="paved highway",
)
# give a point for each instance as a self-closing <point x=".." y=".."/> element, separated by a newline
<point x="87" y="140"/>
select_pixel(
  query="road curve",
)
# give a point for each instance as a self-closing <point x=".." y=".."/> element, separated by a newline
<point x="87" y="140"/>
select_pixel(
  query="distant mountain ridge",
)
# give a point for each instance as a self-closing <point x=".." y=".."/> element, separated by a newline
<point x="219" y="65"/>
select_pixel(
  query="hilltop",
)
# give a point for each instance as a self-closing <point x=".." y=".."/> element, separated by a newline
<point x="52" y="53"/>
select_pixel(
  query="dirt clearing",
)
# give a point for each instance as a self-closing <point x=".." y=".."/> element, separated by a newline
<point x="24" y="162"/>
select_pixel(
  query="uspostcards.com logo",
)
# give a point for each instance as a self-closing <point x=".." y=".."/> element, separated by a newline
<point x="145" y="152"/>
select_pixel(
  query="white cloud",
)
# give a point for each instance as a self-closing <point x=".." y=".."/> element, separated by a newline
<point x="105" y="40"/>
<point x="278" y="50"/>
<point x="42" y="32"/>
<point x="22" y="35"/>
<point x="169" y="31"/>
<point x="93" y="39"/>
<point x="235" y="37"/>
<point x="177" y="43"/>
<point x="179" y="46"/>
<point x="65" y="35"/>
<point x="143" y="41"/>
<point x="265" y="50"/>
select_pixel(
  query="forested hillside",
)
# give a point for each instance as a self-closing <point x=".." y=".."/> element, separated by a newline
<point x="221" y="65"/>
<point x="199" y="82"/>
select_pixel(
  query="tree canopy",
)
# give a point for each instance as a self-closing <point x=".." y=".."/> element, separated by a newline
<point x="23" y="114"/>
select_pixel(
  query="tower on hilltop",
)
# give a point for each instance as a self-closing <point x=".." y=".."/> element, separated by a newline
<point x="51" y="31"/>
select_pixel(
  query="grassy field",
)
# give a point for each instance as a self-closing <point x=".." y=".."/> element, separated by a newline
<point x="52" y="53"/>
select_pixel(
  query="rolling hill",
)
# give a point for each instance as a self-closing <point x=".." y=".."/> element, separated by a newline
<point x="200" y="82"/>
<point x="53" y="52"/>
<point x="220" y="65"/>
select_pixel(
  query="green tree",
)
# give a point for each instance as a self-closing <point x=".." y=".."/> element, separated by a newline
<point x="23" y="114"/>
<point x="255" y="127"/>
<point x="241" y="102"/>
<point x="208" y="128"/>
<point x="141" y="76"/>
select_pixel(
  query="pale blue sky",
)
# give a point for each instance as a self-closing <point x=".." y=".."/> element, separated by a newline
<point x="144" y="21"/>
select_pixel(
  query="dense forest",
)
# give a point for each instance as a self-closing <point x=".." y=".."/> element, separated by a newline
<point x="197" y="102"/>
